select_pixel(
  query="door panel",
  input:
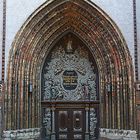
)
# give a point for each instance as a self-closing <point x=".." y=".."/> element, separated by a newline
<point x="62" y="127"/>
<point x="77" y="121"/>
<point x="70" y="124"/>
<point x="78" y="124"/>
<point x="63" y="121"/>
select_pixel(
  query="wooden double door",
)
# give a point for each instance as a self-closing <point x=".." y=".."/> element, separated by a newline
<point x="70" y="123"/>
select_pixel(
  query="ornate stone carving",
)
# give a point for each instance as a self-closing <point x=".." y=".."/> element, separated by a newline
<point x="116" y="134"/>
<point x="93" y="123"/>
<point x="47" y="120"/>
<point x="105" y="41"/>
<point x="70" y="75"/>
<point x="22" y="134"/>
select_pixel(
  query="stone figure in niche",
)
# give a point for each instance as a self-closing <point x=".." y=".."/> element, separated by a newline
<point x="53" y="93"/>
<point x="85" y="91"/>
<point x="69" y="46"/>
<point x="47" y="121"/>
<point x="56" y="91"/>
<point x="53" y="90"/>
<point x="92" y="83"/>
<point x="47" y="87"/>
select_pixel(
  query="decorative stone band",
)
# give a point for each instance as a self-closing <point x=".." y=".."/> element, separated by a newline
<point x="34" y="134"/>
<point x="23" y="134"/>
<point x="116" y="134"/>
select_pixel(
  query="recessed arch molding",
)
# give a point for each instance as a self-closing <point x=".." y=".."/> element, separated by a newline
<point x="35" y="39"/>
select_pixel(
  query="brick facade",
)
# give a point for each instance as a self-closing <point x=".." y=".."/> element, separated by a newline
<point x="123" y="48"/>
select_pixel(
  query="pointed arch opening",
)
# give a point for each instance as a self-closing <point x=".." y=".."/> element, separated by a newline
<point x="70" y="90"/>
<point x="103" y="40"/>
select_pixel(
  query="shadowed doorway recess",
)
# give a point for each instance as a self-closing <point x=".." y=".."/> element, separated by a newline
<point x="70" y="98"/>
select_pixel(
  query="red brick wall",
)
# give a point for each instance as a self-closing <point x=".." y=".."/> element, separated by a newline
<point x="138" y="107"/>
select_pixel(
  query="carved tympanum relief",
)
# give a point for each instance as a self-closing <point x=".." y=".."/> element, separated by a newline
<point x="69" y="74"/>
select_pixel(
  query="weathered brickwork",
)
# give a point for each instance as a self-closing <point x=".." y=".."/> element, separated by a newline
<point x="116" y="54"/>
<point x="103" y="38"/>
<point x="138" y="106"/>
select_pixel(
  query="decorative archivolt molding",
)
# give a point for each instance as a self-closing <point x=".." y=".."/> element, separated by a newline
<point x="102" y="37"/>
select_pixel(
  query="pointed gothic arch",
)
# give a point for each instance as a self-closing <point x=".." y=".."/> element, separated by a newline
<point x="106" y="43"/>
